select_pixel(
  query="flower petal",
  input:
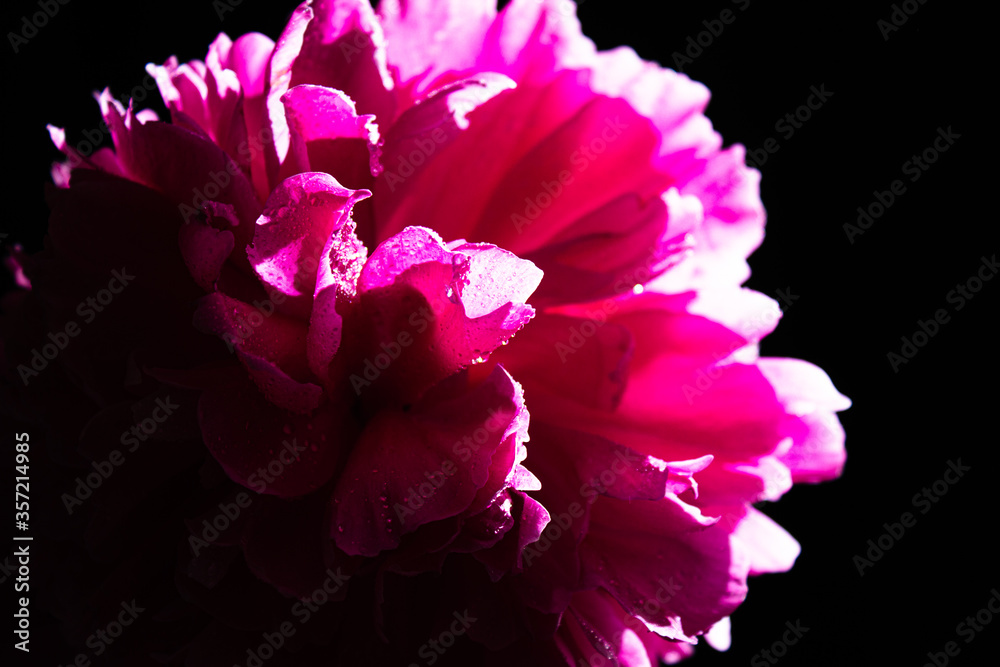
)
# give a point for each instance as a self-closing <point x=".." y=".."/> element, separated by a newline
<point x="426" y="311"/>
<point x="426" y="464"/>
<point x="295" y="226"/>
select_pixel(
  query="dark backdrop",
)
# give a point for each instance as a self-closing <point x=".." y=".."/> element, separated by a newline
<point x="855" y="295"/>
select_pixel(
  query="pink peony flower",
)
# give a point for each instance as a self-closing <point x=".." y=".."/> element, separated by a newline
<point x="453" y="302"/>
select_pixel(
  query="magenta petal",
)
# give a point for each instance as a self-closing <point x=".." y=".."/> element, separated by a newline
<point x="295" y="226"/>
<point x="267" y="449"/>
<point x="769" y="546"/>
<point x="279" y="70"/>
<point x="187" y="168"/>
<point x="426" y="464"/>
<point x="434" y="310"/>
<point x="634" y="550"/>
<point x="336" y="286"/>
<point x="268" y="344"/>
<point x="610" y="469"/>
<point x="583" y="359"/>
<point x="422" y="133"/>
<point x="531" y="518"/>
<point x="817" y="454"/>
<point x="343" y="48"/>
<point x="456" y="29"/>
<point x="206" y="248"/>
<point x="326" y="132"/>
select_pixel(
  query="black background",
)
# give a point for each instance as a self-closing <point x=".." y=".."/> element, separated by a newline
<point x="854" y="303"/>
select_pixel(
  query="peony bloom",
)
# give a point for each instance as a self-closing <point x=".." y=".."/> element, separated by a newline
<point x="448" y="306"/>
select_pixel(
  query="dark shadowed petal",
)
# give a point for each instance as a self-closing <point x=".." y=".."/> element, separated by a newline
<point x="425" y="464"/>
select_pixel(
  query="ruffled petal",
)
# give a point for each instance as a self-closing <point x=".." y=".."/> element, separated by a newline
<point x="426" y="464"/>
<point x="271" y="450"/>
<point x="343" y="48"/>
<point x="426" y="311"/>
<point x="328" y="135"/>
<point x="294" y="228"/>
